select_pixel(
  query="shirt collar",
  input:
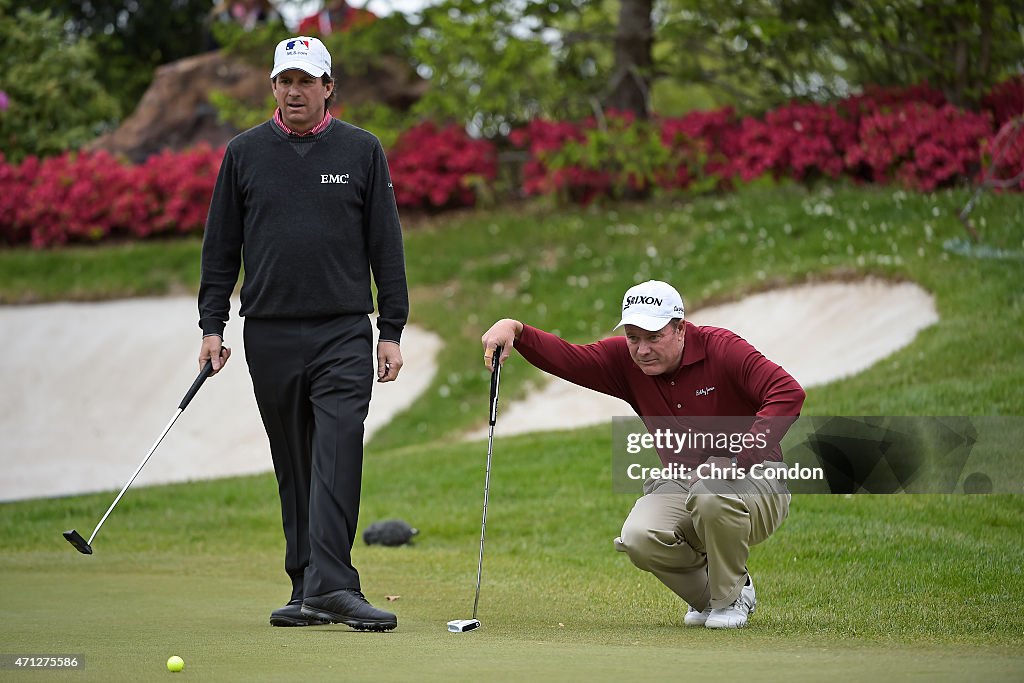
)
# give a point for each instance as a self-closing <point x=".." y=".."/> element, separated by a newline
<point x="693" y="345"/>
<point x="316" y="129"/>
<point x="693" y="348"/>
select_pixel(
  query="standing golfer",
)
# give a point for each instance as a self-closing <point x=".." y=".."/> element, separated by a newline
<point x="693" y="533"/>
<point x="304" y="202"/>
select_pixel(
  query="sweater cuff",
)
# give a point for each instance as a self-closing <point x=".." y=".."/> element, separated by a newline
<point x="212" y="326"/>
<point x="389" y="331"/>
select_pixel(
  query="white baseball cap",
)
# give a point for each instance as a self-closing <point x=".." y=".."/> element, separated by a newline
<point x="302" y="52"/>
<point x="651" y="305"/>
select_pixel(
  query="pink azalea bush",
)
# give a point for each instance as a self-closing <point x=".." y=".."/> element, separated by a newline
<point x="543" y="138"/>
<point x="1003" y="157"/>
<point x="920" y="145"/>
<point x="708" y="142"/>
<point x="83" y="197"/>
<point x="434" y="168"/>
<point x="800" y="141"/>
<point x="91" y="196"/>
<point x="1005" y="100"/>
<point x="911" y="136"/>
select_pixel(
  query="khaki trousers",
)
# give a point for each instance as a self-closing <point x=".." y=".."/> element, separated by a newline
<point x="697" y="540"/>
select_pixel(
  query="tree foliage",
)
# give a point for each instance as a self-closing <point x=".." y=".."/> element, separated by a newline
<point x="502" y="63"/>
<point x="492" y="65"/>
<point x="763" y="51"/>
<point x="132" y="37"/>
<point x="55" y="101"/>
<point x="498" y="65"/>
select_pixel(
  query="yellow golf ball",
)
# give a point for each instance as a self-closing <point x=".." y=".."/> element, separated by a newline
<point x="175" y="664"/>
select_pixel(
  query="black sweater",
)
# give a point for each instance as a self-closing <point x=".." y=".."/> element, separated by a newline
<point x="309" y="217"/>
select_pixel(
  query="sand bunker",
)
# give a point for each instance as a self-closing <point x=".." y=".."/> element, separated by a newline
<point x="88" y="387"/>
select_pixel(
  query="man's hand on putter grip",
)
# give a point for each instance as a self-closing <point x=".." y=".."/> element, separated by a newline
<point x="503" y="333"/>
<point x="213" y="348"/>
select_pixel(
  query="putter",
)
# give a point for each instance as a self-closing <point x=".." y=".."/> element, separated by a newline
<point x="74" y="538"/>
<point x="466" y="625"/>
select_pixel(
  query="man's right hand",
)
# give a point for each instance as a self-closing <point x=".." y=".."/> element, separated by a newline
<point x="503" y="333"/>
<point x="213" y="349"/>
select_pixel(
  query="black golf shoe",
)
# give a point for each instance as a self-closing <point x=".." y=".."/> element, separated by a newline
<point x="348" y="606"/>
<point x="291" y="615"/>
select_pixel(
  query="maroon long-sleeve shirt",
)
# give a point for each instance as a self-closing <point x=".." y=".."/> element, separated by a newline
<point x="721" y="375"/>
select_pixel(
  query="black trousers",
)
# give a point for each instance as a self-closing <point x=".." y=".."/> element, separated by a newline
<point x="312" y="378"/>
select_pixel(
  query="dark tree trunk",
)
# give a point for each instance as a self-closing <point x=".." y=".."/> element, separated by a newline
<point x="961" y="69"/>
<point x="985" y="56"/>
<point x="631" y="80"/>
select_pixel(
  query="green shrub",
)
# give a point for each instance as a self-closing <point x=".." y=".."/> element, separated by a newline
<point x="239" y="114"/>
<point x="54" y="101"/>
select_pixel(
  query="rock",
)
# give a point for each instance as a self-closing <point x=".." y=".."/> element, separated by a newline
<point x="175" y="113"/>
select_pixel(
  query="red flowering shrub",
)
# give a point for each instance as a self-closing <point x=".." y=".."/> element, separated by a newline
<point x="910" y="135"/>
<point x="177" y="187"/>
<point x="542" y="138"/>
<point x="877" y="99"/>
<point x="1003" y="156"/>
<point x="922" y="146"/>
<point x="69" y="200"/>
<point x="615" y="157"/>
<point x="798" y="140"/>
<point x="86" y="197"/>
<point x="580" y="184"/>
<point x="15" y="181"/>
<point x="435" y="168"/>
<point x="707" y="142"/>
<point x="1005" y="100"/>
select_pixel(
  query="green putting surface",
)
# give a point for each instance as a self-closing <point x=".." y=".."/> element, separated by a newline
<point x="869" y="588"/>
<point x="126" y="623"/>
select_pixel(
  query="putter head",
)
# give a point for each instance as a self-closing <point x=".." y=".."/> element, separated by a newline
<point x="463" y="625"/>
<point x="75" y="539"/>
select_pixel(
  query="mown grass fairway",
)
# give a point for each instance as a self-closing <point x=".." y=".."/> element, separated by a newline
<point x="870" y="588"/>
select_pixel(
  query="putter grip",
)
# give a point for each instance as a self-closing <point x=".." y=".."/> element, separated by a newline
<point x="203" y="374"/>
<point x="495" y="371"/>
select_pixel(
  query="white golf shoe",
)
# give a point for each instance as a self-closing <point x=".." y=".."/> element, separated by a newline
<point x="735" y="615"/>
<point x="695" y="618"/>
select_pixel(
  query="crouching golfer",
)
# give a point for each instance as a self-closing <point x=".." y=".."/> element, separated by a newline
<point x="305" y="202"/>
<point x="693" y="533"/>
